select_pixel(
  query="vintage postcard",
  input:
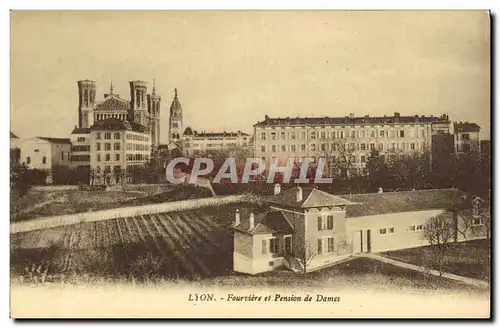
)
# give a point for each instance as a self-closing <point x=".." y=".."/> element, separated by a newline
<point x="250" y="164"/>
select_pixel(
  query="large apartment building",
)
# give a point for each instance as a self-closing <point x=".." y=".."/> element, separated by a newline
<point x="351" y="137"/>
<point x="195" y="142"/>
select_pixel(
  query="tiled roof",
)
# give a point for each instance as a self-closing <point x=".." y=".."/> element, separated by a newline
<point x="466" y="127"/>
<point x="56" y="140"/>
<point x="113" y="102"/>
<point x="13" y="136"/>
<point x="264" y="223"/>
<point x="77" y="130"/>
<point x="406" y="201"/>
<point x="310" y="198"/>
<point x="116" y="124"/>
<point x="351" y="120"/>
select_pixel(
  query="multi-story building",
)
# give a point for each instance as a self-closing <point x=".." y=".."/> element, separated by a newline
<point x="347" y="138"/>
<point x="466" y="136"/>
<point x="195" y="143"/>
<point x="117" y="147"/>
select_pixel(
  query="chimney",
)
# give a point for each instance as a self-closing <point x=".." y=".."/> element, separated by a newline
<point x="237" y="217"/>
<point x="351" y="115"/>
<point x="299" y="193"/>
<point x="396" y="114"/>
<point x="266" y="117"/>
<point x="251" y="221"/>
<point x="277" y="189"/>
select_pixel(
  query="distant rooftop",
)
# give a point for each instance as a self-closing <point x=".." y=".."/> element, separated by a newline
<point x="56" y="140"/>
<point x="352" y="120"/>
<point x="466" y="127"/>
<point x="310" y="198"/>
<point x="406" y="201"/>
<point x="189" y="132"/>
<point x="116" y="124"/>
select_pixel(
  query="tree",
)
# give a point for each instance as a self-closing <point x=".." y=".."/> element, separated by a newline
<point x="302" y="258"/>
<point x="377" y="170"/>
<point x="340" y="159"/>
<point x="438" y="232"/>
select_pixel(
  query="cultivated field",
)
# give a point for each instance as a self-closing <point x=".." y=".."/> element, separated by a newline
<point x="189" y="244"/>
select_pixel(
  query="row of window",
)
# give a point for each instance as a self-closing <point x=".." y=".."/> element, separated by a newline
<point x="80" y="148"/>
<point x="107" y="146"/>
<point x="141" y="147"/>
<point x="81" y="139"/>
<point x="100" y="117"/>
<point x="341" y="134"/>
<point x="107" y="157"/>
<point x="136" y="137"/>
<point x="107" y="135"/>
<point x="137" y="157"/>
<point x="325" y="222"/>
<point x="345" y="146"/>
<point x="80" y="158"/>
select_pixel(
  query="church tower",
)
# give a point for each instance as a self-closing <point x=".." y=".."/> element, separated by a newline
<point x="138" y="102"/>
<point x="154" y="116"/>
<point x="175" y="128"/>
<point x="86" y="102"/>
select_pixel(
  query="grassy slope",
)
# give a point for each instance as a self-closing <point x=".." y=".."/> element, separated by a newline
<point x="469" y="259"/>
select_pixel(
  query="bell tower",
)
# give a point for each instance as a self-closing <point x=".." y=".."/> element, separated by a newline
<point x="86" y="102"/>
<point x="138" y="102"/>
<point x="154" y="101"/>
<point x="175" y="119"/>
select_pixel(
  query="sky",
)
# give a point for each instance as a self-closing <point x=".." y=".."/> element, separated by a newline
<point x="232" y="68"/>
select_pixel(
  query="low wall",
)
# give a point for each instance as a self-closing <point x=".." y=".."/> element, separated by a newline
<point x="54" y="188"/>
<point x="62" y="220"/>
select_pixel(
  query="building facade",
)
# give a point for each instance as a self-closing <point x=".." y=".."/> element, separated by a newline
<point x="349" y="138"/>
<point x="466" y="136"/>
<point x="195" y="143"/>
<point x="175" y="120"/>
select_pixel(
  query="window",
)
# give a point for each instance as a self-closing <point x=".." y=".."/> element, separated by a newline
<point x="282" y="135"/>
<point x="117" y="135"/>
<point x="108" y="157"/>
<point x="383" y="231"/>
<point x="292" y="135"/>
<point x="273" y="135"/>
<point x="391" y="230"/>
<point x="382" y="133"/>
<point x="372" y="146"/>
<point x="303" y="147"/>
<point x="81" y="139"/>
<point x="477" y="221"/>
<point x="353" y="134"/>
<point x="412" y="227"/>
<point x="98" y="146"/>
<point x="117" y="157"/>
<point x="331" y="244"/>
<point x="313" y="147"/>
<point x="465" y="136"/>
<point x="117" y="146"/>
<point x="393" y="146"/>
<point x="98" y="158"/>
<point x="401" y="133"/>
<point x="416" y="228"/>
<point x="98" y="135"/>
<point x="292" y="147"/>
<point x="107" y="146"/>
<point x="363" y="159"/>
<point x="323" y="135"/>
<point x="320" y="246"/>
<point x="273" y="148"/>
<point x="107" y="135"/>
<point x="263" y="136"/>
<point x="362" y="133"/>
<point x="320" y="223"/>
<point x="323" y="147"/>
<point x="380" y="146"/>
<point x="362" y="146"/>
<point x="263" y="148"/>
<point x="372" y="134"/>
<point x="313" y="135"/>
<point x="274" y="246"/>
<point x="412" y="146"/>
<point x="44" y="160"/>
<point x="329" y="221"/>
<point x="283" y="148"/>
<point x="341" y="134"/>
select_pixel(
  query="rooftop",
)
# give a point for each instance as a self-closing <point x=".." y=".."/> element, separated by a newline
<point x="311" y="197"/>
<point x="78" y="130"/>
<point x="56" y="140"/>
<point x="264" y="222"/>
<point x="116" y="124"/>
<point x="406" y="201"/>
<point x="466" y="127"/>
<point x="190" y="132"/>
<point x="352" y="120"/>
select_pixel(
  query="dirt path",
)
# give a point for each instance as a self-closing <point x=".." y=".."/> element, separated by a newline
<point x="462" y="279"/>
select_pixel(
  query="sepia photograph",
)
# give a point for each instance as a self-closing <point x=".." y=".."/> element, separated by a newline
<point x="250" y="164"/>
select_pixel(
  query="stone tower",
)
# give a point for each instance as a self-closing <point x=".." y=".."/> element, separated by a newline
<point x="86" y="102"/>
<point x="154" y="101"/>
<point x="139" y="102"/>
<point x="175" y="118"/>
